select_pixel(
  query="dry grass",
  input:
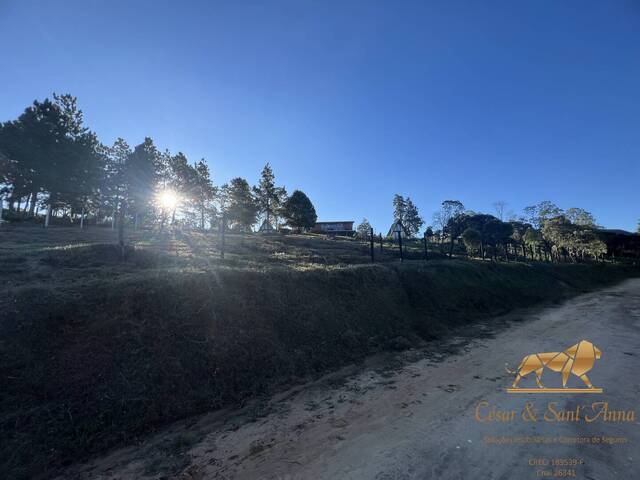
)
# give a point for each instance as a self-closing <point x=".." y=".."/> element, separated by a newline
<point x="33" y="253"/>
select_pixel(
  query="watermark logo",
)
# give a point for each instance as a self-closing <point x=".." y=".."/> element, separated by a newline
<point x="578" y="360"/>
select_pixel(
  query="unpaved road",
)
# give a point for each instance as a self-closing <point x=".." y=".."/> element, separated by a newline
<point x="418" y="420"/>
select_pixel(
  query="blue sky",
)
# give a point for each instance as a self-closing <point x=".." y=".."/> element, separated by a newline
<point x="352" y="101"/>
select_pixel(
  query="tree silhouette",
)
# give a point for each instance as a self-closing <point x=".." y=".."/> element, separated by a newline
<point x="267" y="194"/>
<point x="363" y="231"/>
<point x="242" y="209"/>
<point x="407" y="214"/>
<point x="299" y="211"/>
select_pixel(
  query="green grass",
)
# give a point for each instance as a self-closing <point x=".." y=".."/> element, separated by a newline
<point x="95" y="351"/>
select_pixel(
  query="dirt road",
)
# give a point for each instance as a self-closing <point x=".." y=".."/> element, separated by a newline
<point x="418" y="420"/>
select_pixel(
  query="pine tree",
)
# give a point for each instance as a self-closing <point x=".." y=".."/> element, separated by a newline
<point x="405" y="212"/>
<point x="241" y="209"/>
<point x="281" y="192"/>
<point x="65" y="152"/>
<point x="266" y="194"/>
<point x="112" y="185"/>
<point x="140" y="178"/>
<point x="412" y="221"/>
<point x="205" y="192"/>
<point x="182" y="181"/>
<point x="299" y="211"/>
<point x="84" y="184"/>
<point x="399" y="208"/>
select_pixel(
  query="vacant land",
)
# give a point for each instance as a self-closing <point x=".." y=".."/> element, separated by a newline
<point x="96" y="350"/>
<point x="33" y="253"/>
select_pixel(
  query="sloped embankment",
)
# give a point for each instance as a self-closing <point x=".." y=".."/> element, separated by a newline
<point x="86" y="368"/>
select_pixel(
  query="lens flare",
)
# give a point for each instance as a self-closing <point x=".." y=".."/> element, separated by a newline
<point x="168" y="199"/>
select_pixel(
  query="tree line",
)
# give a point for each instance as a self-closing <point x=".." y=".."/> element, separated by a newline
<point x="50" y="160"/>
<point x="544" y="231"/>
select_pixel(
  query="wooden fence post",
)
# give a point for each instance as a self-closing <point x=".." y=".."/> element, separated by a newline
<point x="380" y="242"/>
<point x="222" y="228"/>
<point x="121" y="218"/>
<point x="371" y="240"/>
<point x="424" y="241"/>
<point x="400" y="243"/>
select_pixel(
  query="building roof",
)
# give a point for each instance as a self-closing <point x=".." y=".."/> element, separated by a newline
<point x="394" y="228"/>
<point x="266" y="226"/>
<point x="336" y="221"/>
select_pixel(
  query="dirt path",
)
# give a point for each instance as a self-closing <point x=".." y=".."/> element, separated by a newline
<point x="418" y="421"/>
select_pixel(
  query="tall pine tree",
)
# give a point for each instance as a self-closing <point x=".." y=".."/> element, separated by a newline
<point x="266" y="195"/>
<point x="241" y="209"/>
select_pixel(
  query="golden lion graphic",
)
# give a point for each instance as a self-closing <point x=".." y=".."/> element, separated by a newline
<point x="577" y="359"/>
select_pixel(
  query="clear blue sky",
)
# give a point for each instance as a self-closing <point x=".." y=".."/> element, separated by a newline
<point x="351" y="102"/>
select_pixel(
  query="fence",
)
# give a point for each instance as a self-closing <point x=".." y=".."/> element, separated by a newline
<point x="399" y="247"/>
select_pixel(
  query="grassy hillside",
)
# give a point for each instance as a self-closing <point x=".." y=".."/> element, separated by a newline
<point x="94" y="351"/>
<point x="32" y="253"/>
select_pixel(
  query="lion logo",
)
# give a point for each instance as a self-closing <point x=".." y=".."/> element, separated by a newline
<point x="577" y="359"/>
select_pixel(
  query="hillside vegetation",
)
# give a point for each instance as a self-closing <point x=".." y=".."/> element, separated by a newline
<point x="32" y="253"/>
<point x="95" y="351"/>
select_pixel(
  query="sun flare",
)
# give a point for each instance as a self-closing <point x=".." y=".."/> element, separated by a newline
<point x="167" y="199"/>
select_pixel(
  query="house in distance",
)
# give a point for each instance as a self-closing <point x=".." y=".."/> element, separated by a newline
<point x="266" y="227"/>
<point x="344" y="228"/>
<point x="396" y="228"/>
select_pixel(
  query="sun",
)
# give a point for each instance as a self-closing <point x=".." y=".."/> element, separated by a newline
<point x="167" y="199"/>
